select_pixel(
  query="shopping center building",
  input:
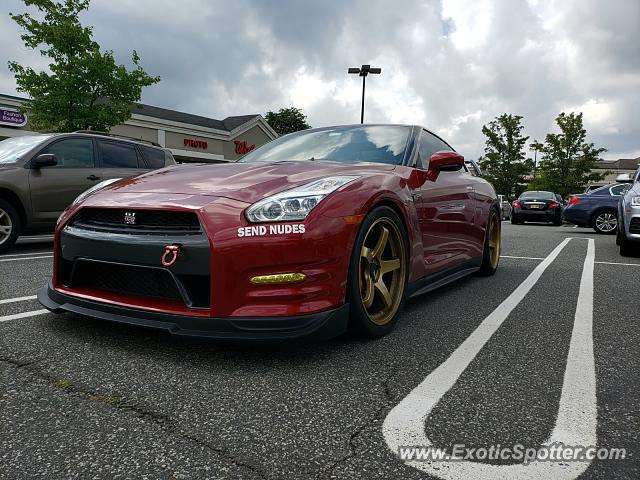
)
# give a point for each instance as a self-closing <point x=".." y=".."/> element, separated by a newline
<point x="191" y="138"/>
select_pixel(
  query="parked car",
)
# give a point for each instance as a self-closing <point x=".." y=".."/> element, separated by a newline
<point x="315" y="233"/>
<point x="40" y="175"/>
<point x="597" y="209"/>
<point x="628" y="237"/>
<point x="505" y="207"/>
<point x="537" y="206"/>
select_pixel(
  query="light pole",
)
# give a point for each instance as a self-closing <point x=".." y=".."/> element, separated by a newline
<point x="535" y="147"/>
<point x="363" y="71"/>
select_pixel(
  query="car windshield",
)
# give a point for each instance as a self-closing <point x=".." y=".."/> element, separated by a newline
<point x="354" y="144"/>
<point x="12" y="148"/>
<point x="537" y="195"/>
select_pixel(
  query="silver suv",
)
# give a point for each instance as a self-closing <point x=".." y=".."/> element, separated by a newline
<point x="628" y="235"/>
<point x="40" y="175"/>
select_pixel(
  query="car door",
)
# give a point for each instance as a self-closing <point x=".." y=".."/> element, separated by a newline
<point x="120" y="159"/>
<point x="52" y="189"/>
<point x="445" y="208"/>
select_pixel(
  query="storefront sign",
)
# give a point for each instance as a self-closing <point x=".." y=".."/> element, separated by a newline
<point x="242" y="148"/>
<point x="12" y="118"/>
<point x="189" y="142"/>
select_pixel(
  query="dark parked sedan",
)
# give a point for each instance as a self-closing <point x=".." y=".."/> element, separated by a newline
<point x="597" y="209"/>
<point x="536" y="206"/>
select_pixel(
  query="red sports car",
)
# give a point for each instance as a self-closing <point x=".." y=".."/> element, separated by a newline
<point x="314" y="234"/>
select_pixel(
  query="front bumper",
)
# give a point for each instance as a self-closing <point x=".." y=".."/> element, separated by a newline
<point x="318" y="326"/>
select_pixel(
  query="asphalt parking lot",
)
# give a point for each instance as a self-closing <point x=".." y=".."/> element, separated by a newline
<point x="503" y="360"/>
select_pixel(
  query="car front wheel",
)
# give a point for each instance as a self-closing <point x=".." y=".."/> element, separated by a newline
<point x="492" y="241"/>
<point x="377" y="274"/>
<point x="627" y="248"/>
<point x="9" y="225"/>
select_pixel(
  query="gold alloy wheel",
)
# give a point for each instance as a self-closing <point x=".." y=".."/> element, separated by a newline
<point x="382" y="271"/>
<point x="494" y="241"/>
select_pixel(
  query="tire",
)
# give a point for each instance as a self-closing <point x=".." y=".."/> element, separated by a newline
<point x="514" y="220"/>
<point x="491" y="249"/>
<point x="605" y="222"/>
<point x="372" y="313"/>
<point x="9" y="225"/>
<point x="557" y="222"/>
<point x="627" y="248"/>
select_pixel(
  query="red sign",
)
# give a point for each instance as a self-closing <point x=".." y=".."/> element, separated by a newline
<point x="242" y="148"/>
<point x="189" y="142"/>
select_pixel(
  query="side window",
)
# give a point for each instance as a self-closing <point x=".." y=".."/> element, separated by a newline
<point x="72" y="153"/>
<point x="116" y="155"/>
<point x="619" y="189"/>
<point x="429" y="144"/>
<point x="155" y="157"/>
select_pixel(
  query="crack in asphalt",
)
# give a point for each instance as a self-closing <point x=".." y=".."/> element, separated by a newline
<point x="378" y="415"/>
<point x="119" y="403"/>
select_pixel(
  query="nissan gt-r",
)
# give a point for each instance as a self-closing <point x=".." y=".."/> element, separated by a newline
<point x="315" y="234"/>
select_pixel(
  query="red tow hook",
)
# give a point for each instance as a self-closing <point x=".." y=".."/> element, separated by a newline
<point x="170" y="254"/>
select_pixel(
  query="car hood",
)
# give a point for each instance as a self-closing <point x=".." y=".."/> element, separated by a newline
<point x="247" y="182"/>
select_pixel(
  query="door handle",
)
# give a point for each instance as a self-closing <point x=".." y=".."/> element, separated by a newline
<point x="469" y="188"/>
<point x="93" y="177"/>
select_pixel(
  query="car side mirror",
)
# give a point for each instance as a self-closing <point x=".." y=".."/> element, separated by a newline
<point x="446" y="161"/>
<point x="44" y="160"/>
<point x="624" y="178"/>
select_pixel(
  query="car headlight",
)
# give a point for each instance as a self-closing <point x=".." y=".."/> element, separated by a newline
<point x="295" y="204"/>
<point x="97" y="186"/>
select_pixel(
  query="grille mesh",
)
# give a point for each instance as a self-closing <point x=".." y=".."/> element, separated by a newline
<point x="125" y="280"/>
<point x="146" y="221"/>
<point x="634" y="226"/>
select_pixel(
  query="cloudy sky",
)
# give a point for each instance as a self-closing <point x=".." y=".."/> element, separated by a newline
<point x="450" y="65"/>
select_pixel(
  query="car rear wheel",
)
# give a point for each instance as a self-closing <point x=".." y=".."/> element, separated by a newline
<point x="492" y="242"/>
<point x="377" y="274"/>
<point x="9" y="225"/>
<point x="605" y="222"/>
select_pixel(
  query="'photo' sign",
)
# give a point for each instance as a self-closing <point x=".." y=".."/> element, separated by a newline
<point x="12" y="118"/>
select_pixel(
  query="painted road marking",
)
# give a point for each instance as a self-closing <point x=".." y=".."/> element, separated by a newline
<point x="24" y="258"/>
<point x="17" y="316"/>
<point x="597" y="263"/>
<point x="18" y="299"/>
<point x="523" y="258"/>
<point x="622" y="264"/>
<point x="576" y="421"/>
<point x="26" y="254"/>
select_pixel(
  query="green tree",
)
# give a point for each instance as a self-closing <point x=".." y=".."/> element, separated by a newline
<point x="568" y="161"/>
<point x="287" y="120"/>
<point x="85" y="88"/>
<point x="504" y="163"/>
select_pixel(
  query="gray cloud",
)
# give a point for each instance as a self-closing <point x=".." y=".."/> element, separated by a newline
<point x="449" y="65"/>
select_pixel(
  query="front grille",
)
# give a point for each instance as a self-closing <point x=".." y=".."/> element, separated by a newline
<point x="149" y="222"/>
<point x="634" y="226"/>
<point x="128" y="280"/>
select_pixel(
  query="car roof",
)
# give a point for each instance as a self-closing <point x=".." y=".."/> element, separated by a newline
<point x="106" y="136"/>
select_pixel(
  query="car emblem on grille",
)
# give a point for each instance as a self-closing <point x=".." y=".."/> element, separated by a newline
<point x="130" y="218"/>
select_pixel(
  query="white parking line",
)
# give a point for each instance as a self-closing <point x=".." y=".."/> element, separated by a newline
<point x="17" y="316"/>
<point x="576" y="422"/>
<point x="26" y="254"/>
<point x="24" y="258"/>
<point x="623" y="264"/>
<point x="523" y="258"/>
<point x="18" y="299"/>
